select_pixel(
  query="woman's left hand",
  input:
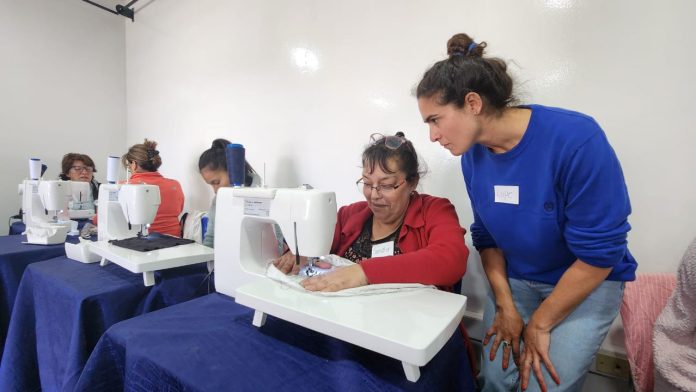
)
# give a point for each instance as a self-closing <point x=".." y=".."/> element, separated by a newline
<point x="287" y="263"/>
<point x="341" y="278"/>
<point x="537" y="341"/>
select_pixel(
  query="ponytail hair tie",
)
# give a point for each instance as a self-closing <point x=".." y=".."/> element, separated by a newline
<point x="152" y="153"/>
<point x="471" y="47"/>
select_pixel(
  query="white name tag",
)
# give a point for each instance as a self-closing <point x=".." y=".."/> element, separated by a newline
<point x="508" y="194"/>
<point x="383" y="249"/>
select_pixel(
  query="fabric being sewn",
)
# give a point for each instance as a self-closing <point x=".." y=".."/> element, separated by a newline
<point x="293" y="281"/>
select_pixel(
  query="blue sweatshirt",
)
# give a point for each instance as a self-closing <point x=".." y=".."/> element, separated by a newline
<point x="558" y="196"/>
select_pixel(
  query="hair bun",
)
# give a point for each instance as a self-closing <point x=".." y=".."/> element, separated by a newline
<point x="463" y="45"/>
<point x="400" y="134"/>
<point x="150" y="144"/>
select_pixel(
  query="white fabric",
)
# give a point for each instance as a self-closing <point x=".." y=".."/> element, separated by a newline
<point x="46" y="234"/>
<point x="193" y="229"/>
<point x="293" y="281"/>
<point x="674" y="334"/>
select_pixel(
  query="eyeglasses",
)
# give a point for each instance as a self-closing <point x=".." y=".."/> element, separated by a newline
<point x="392" y="141"/>
<point x="87" y="169"/>
<point x="381" y="189"/>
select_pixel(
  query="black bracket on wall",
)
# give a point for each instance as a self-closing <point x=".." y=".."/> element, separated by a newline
<point x="124" y="10"/>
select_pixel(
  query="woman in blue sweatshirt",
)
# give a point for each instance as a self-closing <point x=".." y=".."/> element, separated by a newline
<point x="550" y="219"/>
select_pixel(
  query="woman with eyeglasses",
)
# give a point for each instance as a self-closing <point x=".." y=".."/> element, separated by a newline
<point x="396" y="235"/>
<point x="142" y="161"/>
<point x="80" y="167"/>
<point x="550" y="219"/>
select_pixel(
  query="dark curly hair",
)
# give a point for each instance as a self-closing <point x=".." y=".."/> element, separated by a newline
<point x="467" y="70"/>
<point x="405" y="157"/>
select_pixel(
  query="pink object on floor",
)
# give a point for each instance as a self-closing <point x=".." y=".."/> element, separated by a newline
<point x="643" y="301"/>
<point x="674" y="334"/>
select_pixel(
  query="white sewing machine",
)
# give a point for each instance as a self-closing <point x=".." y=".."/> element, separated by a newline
<point x="81" y="196"/>
<point x="77" y="193"/>
<point x="43" y="203"/>
<point x="125" y="211"/>
<point x="246" y="221"/>
<point x="42" y="200"/>
<point x="410" y="326"/>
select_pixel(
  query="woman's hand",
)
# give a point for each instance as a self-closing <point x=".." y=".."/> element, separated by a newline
<point x="507" y="328"/>
<point x="341" y="278"/>
<point x="287" y="263"/>
<point x="537" y="341"/>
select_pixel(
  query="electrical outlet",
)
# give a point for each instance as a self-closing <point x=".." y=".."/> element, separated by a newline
<point x="612" y="366"/>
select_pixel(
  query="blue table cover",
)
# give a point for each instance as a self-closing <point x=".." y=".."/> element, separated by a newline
<point x="63" y="307"/>
<point x="209" y="344"/>
<point x="14" y="259"/>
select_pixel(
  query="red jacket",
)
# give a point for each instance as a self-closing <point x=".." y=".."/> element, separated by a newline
<point x="171" y="205"/>
<point x="431" y="242"/>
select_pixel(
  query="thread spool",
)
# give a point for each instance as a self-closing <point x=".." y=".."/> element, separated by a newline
<point x="235" y="163"/>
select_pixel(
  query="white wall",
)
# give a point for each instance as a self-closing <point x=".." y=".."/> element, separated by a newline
<point x="62" y="88"/>
<point x="213" y="68"/>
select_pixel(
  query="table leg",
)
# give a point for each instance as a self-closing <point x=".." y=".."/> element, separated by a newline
<point x="412" y="371"/>
<point x="259" y="318"/>
<point x="149" y="278"/>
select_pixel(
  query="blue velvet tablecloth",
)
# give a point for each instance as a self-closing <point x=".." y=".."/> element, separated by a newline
<point x="14" y="259"/>
<point x="63" y="307"/>
<point x="209" y="344"/>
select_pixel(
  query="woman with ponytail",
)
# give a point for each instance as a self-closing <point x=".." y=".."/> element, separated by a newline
<point x="212" y="165"/>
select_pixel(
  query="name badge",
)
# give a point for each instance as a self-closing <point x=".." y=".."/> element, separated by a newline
<point x="383" y="249"/>
<point x="507" y="194"/>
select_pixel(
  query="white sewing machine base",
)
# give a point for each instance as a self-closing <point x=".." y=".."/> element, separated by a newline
<point x="410" y="326"/>
<point x="81" y="214"/>
<point x="149" y="262"/>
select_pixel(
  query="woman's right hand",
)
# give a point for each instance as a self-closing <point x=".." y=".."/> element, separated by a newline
<point x="286" y="263"/>
<point x="507" y="328"/>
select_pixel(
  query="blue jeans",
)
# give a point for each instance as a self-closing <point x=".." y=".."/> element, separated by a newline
<point x="574" y="342"/>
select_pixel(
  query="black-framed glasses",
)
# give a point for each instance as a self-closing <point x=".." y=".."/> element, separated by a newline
<point x="391" y="141"/>
<point x="87" y="169"/>
<point x="381" y="189"/>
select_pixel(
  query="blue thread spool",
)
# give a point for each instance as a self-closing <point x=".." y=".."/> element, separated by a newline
<point x="235" y="164"/>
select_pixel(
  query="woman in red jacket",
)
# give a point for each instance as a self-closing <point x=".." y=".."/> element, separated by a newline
<point x="396" y="235"/>
<point x="143" y="160"/>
